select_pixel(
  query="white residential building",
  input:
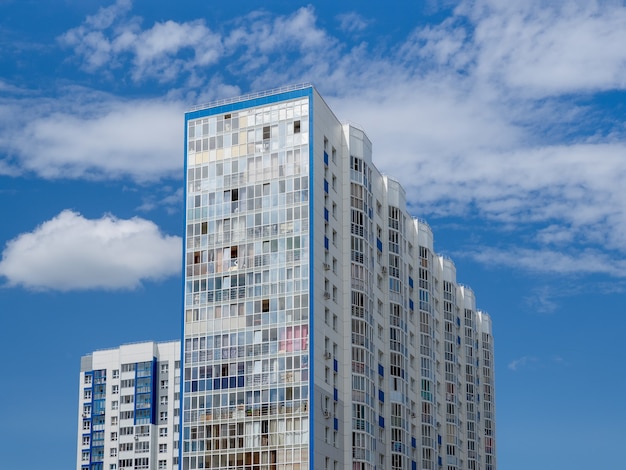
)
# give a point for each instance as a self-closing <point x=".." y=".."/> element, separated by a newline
<point x="321" y="329"/>
<point x="129" y="408"/>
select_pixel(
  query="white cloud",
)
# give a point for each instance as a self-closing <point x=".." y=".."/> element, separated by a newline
<point x="105" y="38"/>
<point x="111" y="40"/>
<point x="70" y="252"/>
<point x="155" y="50"/>
<point x="534" y="362"/>
<point x="352" y="22"/>
<point x="97" y="137"/>
<point x="474" y="134"/>
<point x="478" y="110"/>
<point x="585" y="261"/>
<point x="543" y="48"/>
<point x="169" y="199"/>
<point x="541" y="300"/>
<point x="89" y="41"/>
<point x="521" y="362"/>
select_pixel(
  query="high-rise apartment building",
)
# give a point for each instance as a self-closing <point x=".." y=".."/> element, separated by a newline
<point x="129" y="408"/>
<point x="320" y="328"/>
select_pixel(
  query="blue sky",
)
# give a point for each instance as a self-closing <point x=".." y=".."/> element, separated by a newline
<point x="504" y="120"/>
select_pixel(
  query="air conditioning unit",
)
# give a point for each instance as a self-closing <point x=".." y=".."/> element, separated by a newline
<point x="412" y="415"/>
<point x="326" y="266"/>
<point x="326" y="295"/>
<point x="383" y="269"/>
<point x="327" y="355"/>
<point x="326" y="414"/>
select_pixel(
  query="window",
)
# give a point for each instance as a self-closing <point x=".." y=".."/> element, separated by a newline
<point x="165" y="368"/>
<point x="85" y="456"/>
<point x="114" y="436"/>
<point x="85" y="440"/>
<point x="113" y="466"/>
<point x="142" y="446"/>
<point x="163" y="400"/>
<point x="113" y="420"/>
<point x="164" y="384"/>
<point x="163" y="432"/>
<point x="87" y="379"/>
<point x="113" y="452"/>
<point x="162" y="464"/>
<point x="163" y="416"/>
<point x="115" y="405"/>
<point x="116" y="373"/>
<point x="296" y="127"/>
<point x="142" y="430"/>
<point x="115" y="389"/>
<point x="87" y="394"/>
<point x="142" y="463"/>
<point x="126" y="446"/>
<point x="162" y="448"/>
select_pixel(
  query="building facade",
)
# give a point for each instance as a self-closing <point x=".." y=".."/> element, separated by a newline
<point x="320" y="328"/>
<point x="129" y="408"/>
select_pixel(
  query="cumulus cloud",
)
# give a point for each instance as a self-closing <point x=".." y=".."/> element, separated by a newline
<point x="168" y="198"/>
<point x="524" y="361"/>
<point x="103" y="138"/>
<point x="70" y="252"/>
<point x="352" y="22"/>
<point x="528" y="362"/>
<point x="542" y="300"/>
<point x="585" y="261"/>
<point x="112" y="40"/>
<point x="557" y="47"/>
<point x="109" y="36"/>
<point x="89" y="40"/>
<point x="482" y="111"/>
